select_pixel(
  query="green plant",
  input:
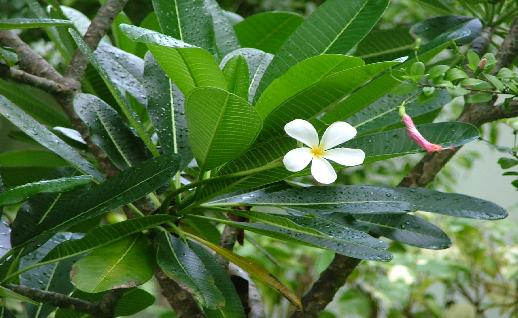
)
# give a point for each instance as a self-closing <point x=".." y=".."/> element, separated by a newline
<point x="122" y="199"/>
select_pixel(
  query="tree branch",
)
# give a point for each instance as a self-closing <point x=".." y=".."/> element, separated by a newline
<point x="29" y="60"/>
<point x="97" y="29"/>
<point x="337" y="273"/>
<point x="55" y="299"/>
<point x="26" y="78"/>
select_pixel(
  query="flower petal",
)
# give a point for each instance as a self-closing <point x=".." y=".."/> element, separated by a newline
<point x="303" y="131"/>
<point x="336" y="134"/>
<point x="346" y="156"/>
<point x="323" y="171"/>
<point x="297" y="159"/>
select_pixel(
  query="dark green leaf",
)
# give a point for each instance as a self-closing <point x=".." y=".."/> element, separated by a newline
<point x="405" y="228"/>
<point x="117" y="93"/>
<point x="103" y="235"/>
<point x="134" y="301"/>
<point x="506" y="163"/>
<point x="383" y="114"/>
<point x="31" y="158"/>
<point x="5" y="238"/>
<point x="124" y="264"/>
<point x="384" y="45"/>
<point x="252" y="269"/>
<point x="445" y="26"/>
<point x="233" y="307"/>
<point x="225" y="39"/>
<point x="22" y="193"/>
<point x="335" y="27"/>
<point x="52" y="278"/>
<point x="84" y="204"/>
<point x="46" y="138"/>
<point x="267" y="31"/>
<point x="22" y="23"/>
<point x="185" y="20"/>
<point x="109" y="132"/>
<point x="369" y="199"/>
<point x="166" y="109"/>
<point x="319" y="233"/>
<point x="180" y="263"/>
<point x="221" y="126"/>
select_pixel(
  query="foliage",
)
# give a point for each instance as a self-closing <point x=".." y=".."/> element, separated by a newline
<point x="179" y="129"/>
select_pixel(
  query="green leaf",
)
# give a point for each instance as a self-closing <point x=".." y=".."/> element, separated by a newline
<point x="46" y="138"/>
<point x="147" y="36"/>
<point x="479" y="98"/>
<point x="309" y="101"/>
<point x="267" y="31"/>
<point x="445" y="26"/>
<point x="180" y="263"/>
<point x="384" y="45"/>
<point x="251" y="268"/>
<point x="233" y="307"/>
<point x="189" y="68"/>
<point x="22" y="193"/>
<point x="5" y="237"/>
<point x="123" y="103"/>
<point x="124" y="264"/>
<point x="166" y="109"/>
<point x="225" y="39"/>
<point x="378" y="146"/>
<point x="22" y="23"/>
<point x="51" y="278"/>
<point x="134" y="301"/>
<point x="84" y="204"/>
<point x="507" y="163"/>
<point x="257" y="61"/>
<point x="109" y="132"/>
<point x="383" y="114"/>
<point x="319" y="233"/>
<point x="405" y="228"/>
<point x="30" y="158"/>
<point x="103" y="235"/>
<point x="302" y="77"/>
<point x="335" y="27"/>
<point x="236" y="73"/>
<point x="185" y="20"/>
<point x="121" y="40"/>
<point x="368" y="199"/>
<point x="221" y="126"/>
<point x="473" y="60"/>
<point x="124" y="70"/>
<point x="5" y="313"/>
<point x="35" y="102"/>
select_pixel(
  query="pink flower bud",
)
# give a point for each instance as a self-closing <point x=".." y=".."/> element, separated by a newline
<point x="482" y="64"/>
<point x="416" y="136"/>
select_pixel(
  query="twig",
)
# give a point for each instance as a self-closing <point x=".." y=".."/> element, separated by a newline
<point x="97" y="29"/>
<point x="178" y="298"/>
<point x="29" y="60"/>
<point x="55" y="299"/>
<point x="509" y="47"/>
<point x="33" y="80"/>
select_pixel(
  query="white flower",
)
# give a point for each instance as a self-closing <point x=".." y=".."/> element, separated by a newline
<point x="317" y="153"/>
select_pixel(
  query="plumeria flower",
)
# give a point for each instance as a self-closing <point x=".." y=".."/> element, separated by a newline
<point x="318" y="153"/>
<point x="415" y="135"/>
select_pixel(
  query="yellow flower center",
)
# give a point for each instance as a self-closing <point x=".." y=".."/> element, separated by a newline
<point x="317" y="152"/>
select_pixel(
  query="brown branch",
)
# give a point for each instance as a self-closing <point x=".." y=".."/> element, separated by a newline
<point x="337" y="273"/>
<point x="29" y="60"/>
<point x="97" y="29"/>
<point x="55" y="299"/>
<point x="178" y="298"/>
<point x="26" y="78"/>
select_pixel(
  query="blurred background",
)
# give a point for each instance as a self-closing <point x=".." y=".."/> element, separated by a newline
<point x="477" y="277"/>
